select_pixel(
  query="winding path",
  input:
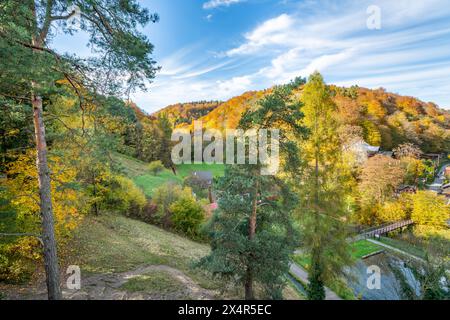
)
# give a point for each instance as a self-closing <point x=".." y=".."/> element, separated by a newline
<point x="300" y="273"/>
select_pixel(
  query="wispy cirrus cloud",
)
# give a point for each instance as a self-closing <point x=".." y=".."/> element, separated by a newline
<point x="337" y="43"/>
<point x="409" y="55"/>
<point x="211" y="4"/>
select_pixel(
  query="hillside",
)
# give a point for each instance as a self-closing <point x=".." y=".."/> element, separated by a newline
<point x="382" y="118"/>
<point x="138" y="172"/>
<point x="187" y="112"/>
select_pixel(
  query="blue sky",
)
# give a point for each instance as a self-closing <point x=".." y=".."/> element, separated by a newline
<point x="216" y="49"/>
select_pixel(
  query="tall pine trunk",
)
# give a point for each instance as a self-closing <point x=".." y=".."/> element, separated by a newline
<point x="48" y="232"/>
<point x="249" y="293"/>
<point x="44" y="181"/>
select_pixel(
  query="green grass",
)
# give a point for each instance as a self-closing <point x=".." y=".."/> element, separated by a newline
<point x="138" y="172"/>
<point x="149" y="183"/>
<point x="363" y="248"/>
<point x="404" y="246"/>
<point x="114" y="243"/>
<point x="130" y="166"/>
<point x="217" y="170"/>
<point x="156" y="282"/>
<point x="302" y="260"/>
<point x="131" y="243"/>
<point x="342" y="289"/>
<point x="358" y="249"/>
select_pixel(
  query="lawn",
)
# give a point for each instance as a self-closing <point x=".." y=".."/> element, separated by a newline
<point x="410" y="248"/>
<point x="148" y="182"/>
<point x="114" y="243"/>
<point x="131" y="243"/>
<point x="363" y="248"/>
<point x="358" y="249"/>
<point x="138" y="172"/>
<point x="217" y="170"/>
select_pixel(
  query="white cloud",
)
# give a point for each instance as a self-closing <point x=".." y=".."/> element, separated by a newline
<point x="408" y="55"/>
<point x="219" y="3"/>
<point x="272" y="31"/>
<point x="234" y="85"/>
<point x="199" y="72"/>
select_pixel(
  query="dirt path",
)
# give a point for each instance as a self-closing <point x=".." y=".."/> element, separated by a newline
<point x="303" y="275"/>
<point x="108" y="287"/>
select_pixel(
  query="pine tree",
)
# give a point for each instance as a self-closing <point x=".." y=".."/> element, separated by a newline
<point x="324" y="183"/>
<point x="252" y="232"/>
<point x="31" y="68"/>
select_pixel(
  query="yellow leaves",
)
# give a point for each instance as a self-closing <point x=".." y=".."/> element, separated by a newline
<point x="22" y="187"/>
<point x="410" y="105"/>
<point x="393" y="211"/>
<point x="375" y="108"/>
<point x="372" y="134"/>
<point x="430" y="209"/>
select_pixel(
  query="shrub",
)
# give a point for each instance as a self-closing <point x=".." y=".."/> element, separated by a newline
<point x="164" y="197"/>
<point x="13" y="268"/>
<point x="149" y="212"/>
<point x="187" y="216"/>
<point x="156" y="167"/>
<point x="123" y="196"/>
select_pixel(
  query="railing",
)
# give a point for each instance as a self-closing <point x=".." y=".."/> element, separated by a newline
<point x="386" y="228"/>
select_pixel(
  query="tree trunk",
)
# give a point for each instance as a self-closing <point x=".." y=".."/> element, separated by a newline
<point x="249" y="284"/>
<point x="48" y="232"/>
<point x="249" y="294"/>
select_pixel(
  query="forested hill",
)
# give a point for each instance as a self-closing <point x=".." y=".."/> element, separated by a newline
<point x="187" y="112"/>
<point x="383" y="119"/>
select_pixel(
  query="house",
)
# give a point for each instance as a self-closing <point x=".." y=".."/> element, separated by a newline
<point x="405" y="189"/>
<point x="204" y="179"/>
<point x="445" y="190"/>
<point x="435" y="157"/>
<point x="371" y="150"/>
<point x="362" y="150"/>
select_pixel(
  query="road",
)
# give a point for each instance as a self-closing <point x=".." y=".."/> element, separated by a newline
<point x="303" y="276"/>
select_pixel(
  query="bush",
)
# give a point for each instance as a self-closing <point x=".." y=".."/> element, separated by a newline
<point x="155" y="167"/>
<point x="149" y="212"/>
<point x="164" y="197"/>
<point x="13" y="268"/>
<point x="187" y="216"/>
<point x="123" y="196"/>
